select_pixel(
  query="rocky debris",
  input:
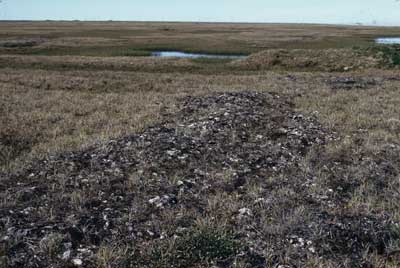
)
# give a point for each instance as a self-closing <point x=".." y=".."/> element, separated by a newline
<point x="349" y="82"/>
<point x="244" y="212"/>
<point x="393" y="78"/>
<point x="243" y="150"/>
<point x="77" y="262"/>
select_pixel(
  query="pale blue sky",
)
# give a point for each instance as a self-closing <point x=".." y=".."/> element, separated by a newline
<point x="381" y="12"/>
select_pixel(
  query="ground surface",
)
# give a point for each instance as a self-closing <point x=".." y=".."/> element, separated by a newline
<point x="289" y="158"/>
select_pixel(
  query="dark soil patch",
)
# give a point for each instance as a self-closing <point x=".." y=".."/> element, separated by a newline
<point x="21" y="43"/>
<point x="349" y="83"/>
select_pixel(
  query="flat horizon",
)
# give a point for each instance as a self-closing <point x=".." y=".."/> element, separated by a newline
<point x="210" y="22"/>
<point x="339" y="12"/>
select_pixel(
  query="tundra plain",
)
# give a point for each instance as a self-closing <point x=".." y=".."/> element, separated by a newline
<point x="112" y="158"/>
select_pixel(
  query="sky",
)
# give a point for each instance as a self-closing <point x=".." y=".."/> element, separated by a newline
<point x="367" y="12"/>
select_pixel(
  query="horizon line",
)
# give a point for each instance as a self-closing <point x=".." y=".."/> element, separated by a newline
<point x="206" y="22"/>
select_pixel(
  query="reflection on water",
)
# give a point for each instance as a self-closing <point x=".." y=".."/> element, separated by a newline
<point x="180" y="54"/>
<point x="388" y="40"/>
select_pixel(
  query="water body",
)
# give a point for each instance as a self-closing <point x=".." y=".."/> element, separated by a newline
<point x="388" y="40"/>
<point x="180" y="54"/>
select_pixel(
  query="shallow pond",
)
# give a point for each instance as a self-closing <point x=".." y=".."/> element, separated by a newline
<point x="388" y="40"/>
<point x="180" y="54"/>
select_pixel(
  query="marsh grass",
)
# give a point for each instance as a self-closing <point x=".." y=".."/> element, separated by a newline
<point x="203" y="60"/>
<point x="99" y="51"/>
<point x="97" y="38"/>
<point x="391" y="53"/>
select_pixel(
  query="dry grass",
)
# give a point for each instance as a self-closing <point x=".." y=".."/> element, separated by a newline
<point x="53" y="111"/>
<point x="61" y="119"/>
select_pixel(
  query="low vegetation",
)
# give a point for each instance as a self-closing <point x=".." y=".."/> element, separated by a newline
<point x="390" y="53"/>
<point x="327" y="60"/>
<point x="289" y="158"/>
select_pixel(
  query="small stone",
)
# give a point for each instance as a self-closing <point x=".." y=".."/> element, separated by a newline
<point x="171" y="152"/>
<point x="154" y="200"/>
<point x="282" y="130"/>
<point x="68" y="245"/>
<point x="77" y="262"/>
<point x="66" y="255"/>
<point x="259" y="200"/>
<point x="150" y="233"/>
<point x="245" y="212"/>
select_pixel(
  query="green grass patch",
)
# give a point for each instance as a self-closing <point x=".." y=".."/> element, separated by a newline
<point x="199" y="248"/>
<point x="129" y="52"/>
<point x="391" y="53"/>
<point x="194" y="46"/>
<point x="79" y="51"/>
<point x="395" y="237"/>
<point x="112" y="51"/>
<point x="204" y="60"/>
